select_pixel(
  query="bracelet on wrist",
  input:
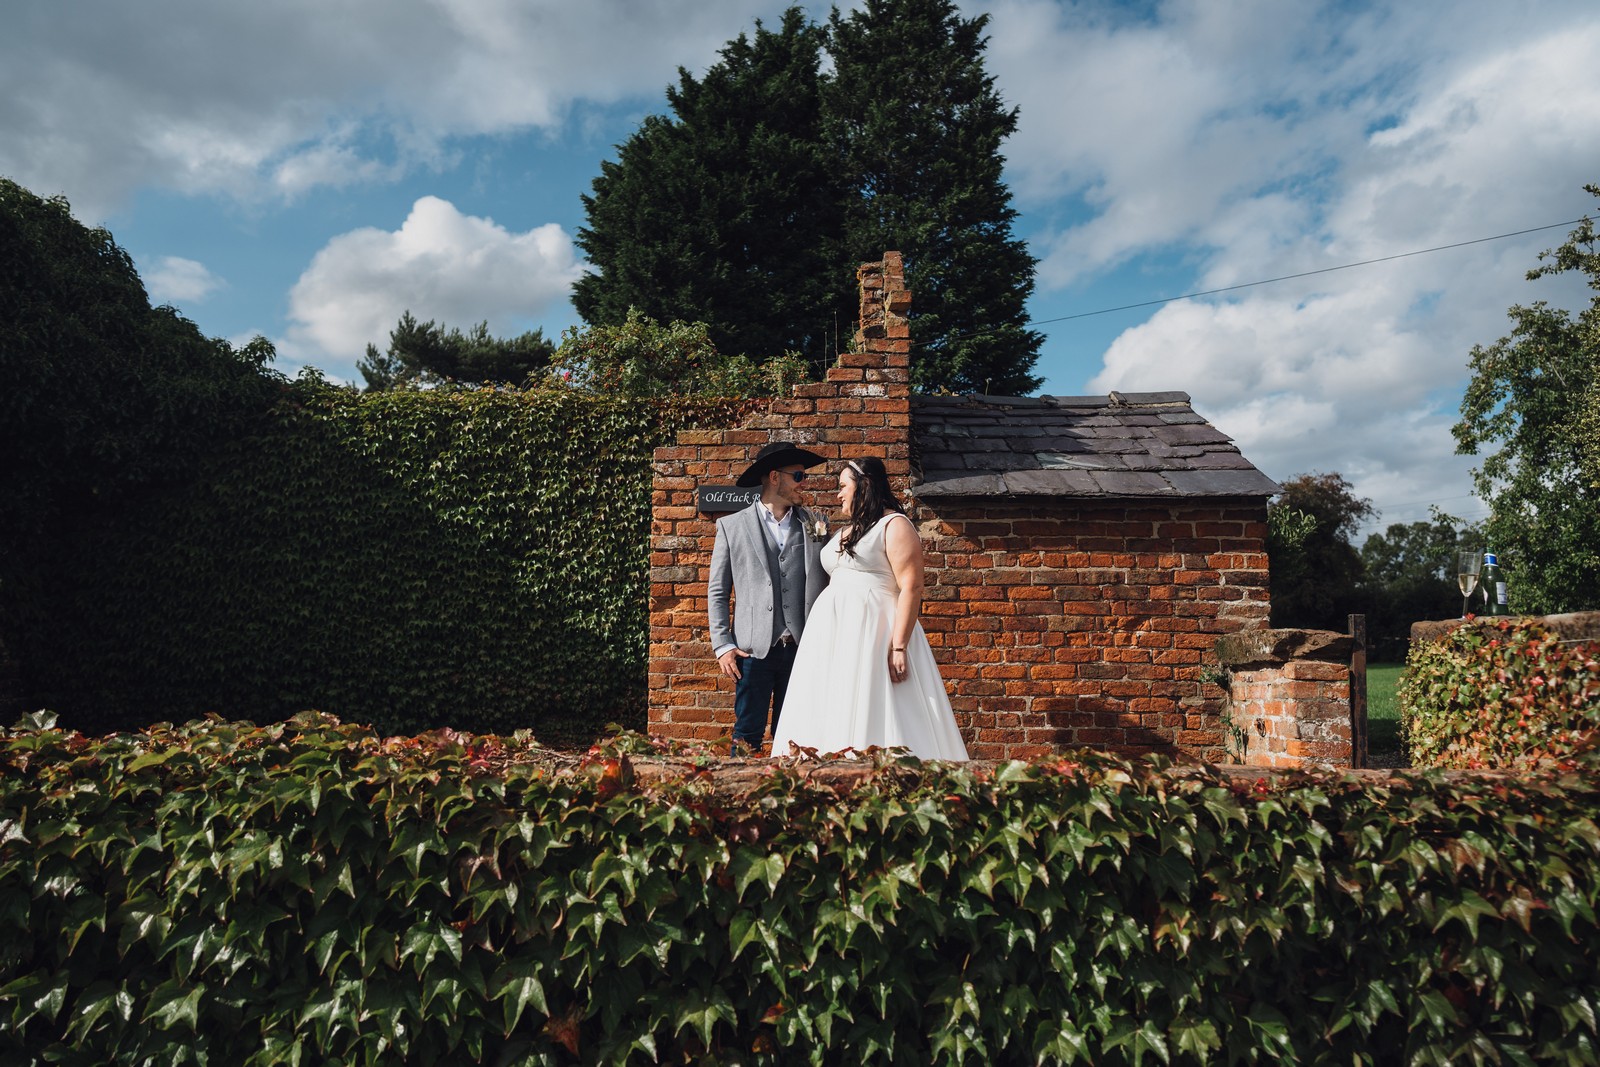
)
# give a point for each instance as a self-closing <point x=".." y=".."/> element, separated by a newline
<point x="900" y="649"/>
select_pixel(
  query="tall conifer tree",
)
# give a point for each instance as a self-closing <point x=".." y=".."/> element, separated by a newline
<point x="918" y="123"/>
<point x="751" y="207"/>
<point x="729" y="212"/>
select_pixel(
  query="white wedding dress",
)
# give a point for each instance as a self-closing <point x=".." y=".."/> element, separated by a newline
<point x="840" y="694"/>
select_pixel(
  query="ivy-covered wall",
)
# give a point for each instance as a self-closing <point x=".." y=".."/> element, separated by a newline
<point x="411" y="560"/>
<point x="1501" y="692"/>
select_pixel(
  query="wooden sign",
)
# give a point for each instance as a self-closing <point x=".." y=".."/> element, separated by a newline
<point x="719" y="498"/>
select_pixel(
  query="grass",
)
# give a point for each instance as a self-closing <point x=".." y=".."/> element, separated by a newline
<point x="1383" y="710"/>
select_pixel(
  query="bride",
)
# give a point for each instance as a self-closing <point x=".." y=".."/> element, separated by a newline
<point x="864" y="673"/>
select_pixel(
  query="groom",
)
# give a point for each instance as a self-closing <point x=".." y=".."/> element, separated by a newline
<point x="770" y="552"/>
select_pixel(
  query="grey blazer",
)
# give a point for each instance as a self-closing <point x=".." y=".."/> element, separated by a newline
<point x="739" y="561"/>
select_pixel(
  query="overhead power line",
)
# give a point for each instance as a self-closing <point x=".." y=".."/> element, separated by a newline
<point x="1305" y="274"/>
<point x="1410" y="503"/>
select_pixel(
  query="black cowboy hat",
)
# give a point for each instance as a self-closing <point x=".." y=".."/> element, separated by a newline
<point x="778" y="454"/>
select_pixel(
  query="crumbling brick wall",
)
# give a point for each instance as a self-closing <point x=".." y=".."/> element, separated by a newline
<point x="1288" y="697"/>
<point x="862" y="408"/>
<point x="1057" y="622"/>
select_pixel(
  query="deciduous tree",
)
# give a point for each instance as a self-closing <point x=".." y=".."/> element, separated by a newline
<point x="1531" y="410"/>
<point x="105" y="397"/>
<point x="640" y="357"/>
<point x="1410" y="576"/>
<point x="1316" y="582"/>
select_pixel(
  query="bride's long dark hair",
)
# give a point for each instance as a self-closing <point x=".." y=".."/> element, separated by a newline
<point x="872" y="499"/>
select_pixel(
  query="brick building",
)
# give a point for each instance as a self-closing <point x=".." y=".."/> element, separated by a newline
<point x="1084" y="554"/>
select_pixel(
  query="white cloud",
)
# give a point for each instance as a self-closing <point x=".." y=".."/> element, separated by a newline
<point x="1156" y="125"/>
<point x="1331" y="382"/>
<point x="1261" y="141"/>
<point x="101" y="97"/>
<point x="175" y="280"/>
<point x="329" y="165"/>
<point x="455" y="269"/>
<point x="1243" y="138"/>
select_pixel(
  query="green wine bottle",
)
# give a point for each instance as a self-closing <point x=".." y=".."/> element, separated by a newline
<point x="1493" y="580"/>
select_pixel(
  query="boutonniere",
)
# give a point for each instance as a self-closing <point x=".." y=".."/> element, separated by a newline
<point x="817" y="528"/>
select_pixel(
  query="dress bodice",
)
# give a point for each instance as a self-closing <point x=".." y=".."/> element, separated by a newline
<point x="870" y="563"/>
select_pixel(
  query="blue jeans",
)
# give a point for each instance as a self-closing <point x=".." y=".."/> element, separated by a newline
<point x="762" y="682"/>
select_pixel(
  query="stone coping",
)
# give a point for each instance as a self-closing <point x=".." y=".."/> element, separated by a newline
<point x="1255" y="649"/>
<point x="1571" y="626"/>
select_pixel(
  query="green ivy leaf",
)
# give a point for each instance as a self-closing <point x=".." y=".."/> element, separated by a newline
<point x="702" y="1012"/>
<point x="97" y="1000"/>
<point x="33" y="995"/>
<point x="174" y="1002"/>
<point x="748" y="866"/>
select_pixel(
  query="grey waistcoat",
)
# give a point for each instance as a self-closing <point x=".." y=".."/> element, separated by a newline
<point x="789" y="567"/>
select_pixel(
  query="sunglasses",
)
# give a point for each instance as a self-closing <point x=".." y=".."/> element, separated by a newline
<point x="798" y="476"/>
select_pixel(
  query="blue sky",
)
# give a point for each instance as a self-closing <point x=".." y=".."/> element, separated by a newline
<point x="309" y="169"/>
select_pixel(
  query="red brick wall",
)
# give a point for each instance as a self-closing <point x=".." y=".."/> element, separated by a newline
<point x="1056" y="623"/>
<point x="1063" y="624"/>
<point x="1289" y="694"/>
<point x="862" y="409"/>
<point x="1294" y="715"/>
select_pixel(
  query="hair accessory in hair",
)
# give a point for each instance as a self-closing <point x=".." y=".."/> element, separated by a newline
<point x="853" y="465"/>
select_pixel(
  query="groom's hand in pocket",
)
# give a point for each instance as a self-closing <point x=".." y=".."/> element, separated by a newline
<point x="728" y="662"/>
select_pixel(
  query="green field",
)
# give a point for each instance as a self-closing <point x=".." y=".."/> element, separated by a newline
<point x="1383" y="710"/>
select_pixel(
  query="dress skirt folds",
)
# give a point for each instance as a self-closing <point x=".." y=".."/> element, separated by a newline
<point x="840" y="694"/>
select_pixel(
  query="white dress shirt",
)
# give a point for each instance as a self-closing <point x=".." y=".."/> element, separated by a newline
<point x="778" y="528"/>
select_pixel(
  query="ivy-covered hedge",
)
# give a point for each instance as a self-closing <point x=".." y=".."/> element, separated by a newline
<point x="313" y="893"/>
<point x="476" y="559"/>
<point x="1499" y="693"/>
<point x="105" y="399"/>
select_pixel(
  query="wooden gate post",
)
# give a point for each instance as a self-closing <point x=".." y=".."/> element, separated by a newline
<point x="1358" y="691"/>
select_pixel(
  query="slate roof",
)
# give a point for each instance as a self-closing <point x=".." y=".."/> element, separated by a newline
<point x="1125" y="445"/>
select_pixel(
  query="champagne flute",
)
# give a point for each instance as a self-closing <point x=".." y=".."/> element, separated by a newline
<point x="1468" y="564"/>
